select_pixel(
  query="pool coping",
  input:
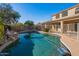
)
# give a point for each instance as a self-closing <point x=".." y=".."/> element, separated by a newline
<point x="65" y="45"/>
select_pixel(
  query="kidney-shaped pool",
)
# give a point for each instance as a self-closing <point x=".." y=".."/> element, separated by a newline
<point x="34" y="44"/>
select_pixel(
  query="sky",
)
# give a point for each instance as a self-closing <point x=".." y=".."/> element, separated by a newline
<point x="39" y="12"/>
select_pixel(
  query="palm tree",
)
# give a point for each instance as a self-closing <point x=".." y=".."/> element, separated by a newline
<point x="7" y="14"/>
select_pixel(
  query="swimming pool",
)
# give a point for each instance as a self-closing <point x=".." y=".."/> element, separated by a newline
<point x="36" y="44"/>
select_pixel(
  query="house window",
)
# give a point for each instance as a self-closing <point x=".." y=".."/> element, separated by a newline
<point x="57" y="16"/>
<point x="59" y="25"/>
<point x="65" y="13"/>
<point x="76" y="27"/>
<point x="77" y="10"/>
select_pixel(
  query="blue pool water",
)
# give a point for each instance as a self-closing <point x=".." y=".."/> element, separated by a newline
<point x="36" y="45"/>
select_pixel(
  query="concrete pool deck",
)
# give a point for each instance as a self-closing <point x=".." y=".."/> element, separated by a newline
<point x="71" y="43"/>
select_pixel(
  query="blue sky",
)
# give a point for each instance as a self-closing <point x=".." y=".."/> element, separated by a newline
<point x="39" y="12"/>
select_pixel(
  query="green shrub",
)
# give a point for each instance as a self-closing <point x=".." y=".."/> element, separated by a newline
<point x="46" y="29"/>
<point x="1" y="31"/>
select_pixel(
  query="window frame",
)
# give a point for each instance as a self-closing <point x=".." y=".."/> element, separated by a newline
<point x="77" y="10"/>
<point x="65" y="13"/>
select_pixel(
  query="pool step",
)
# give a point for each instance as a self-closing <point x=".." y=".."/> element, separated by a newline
<point x="64" y="51"/>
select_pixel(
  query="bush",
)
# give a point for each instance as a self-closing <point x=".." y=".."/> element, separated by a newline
<point x="1" y="31"/>
<point x="46" y="29"/>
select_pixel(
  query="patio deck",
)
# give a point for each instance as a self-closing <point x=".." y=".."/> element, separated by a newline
<point x="71" y="43"/>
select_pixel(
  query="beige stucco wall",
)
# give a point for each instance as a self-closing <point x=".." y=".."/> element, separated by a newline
<point x="71" y="12"/>
<point x="53" y="18"/>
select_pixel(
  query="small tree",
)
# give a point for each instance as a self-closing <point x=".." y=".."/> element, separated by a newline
<point x="8" y="14"/>
<point x="29" y="23"/>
